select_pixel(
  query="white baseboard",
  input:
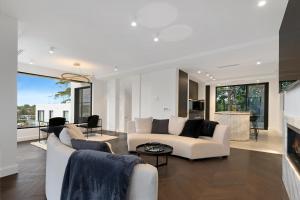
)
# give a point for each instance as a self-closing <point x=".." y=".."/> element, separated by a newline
<point x="9" y="170"/>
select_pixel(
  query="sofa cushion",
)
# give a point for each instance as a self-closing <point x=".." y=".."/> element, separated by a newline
<point x="90" y="145"/>
<point x="176" y="125"/>
<point x="160" y="126"/>
<point x="65" y="137"/>
<point x="208" y="128"/>
<point x="143" y="125"/>
<point x="75" y="132"/>
<point x="192" y="128"/>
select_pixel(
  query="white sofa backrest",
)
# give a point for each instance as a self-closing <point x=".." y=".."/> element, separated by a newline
<point x="131" y="127"/>
<point x="221" y="134"/>
<point x="143" y="183"/>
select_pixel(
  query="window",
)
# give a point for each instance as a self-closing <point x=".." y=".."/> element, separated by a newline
<point x="83" y="104"/>
<point x="41" y="116"/>
<point x="231" y="98"/>
<point x="251" y="98"/>
<point x="284" y="85"/>
<point x="47" y="94"/>
<point x="50" y="114"/>
<point x="66" y="115"/>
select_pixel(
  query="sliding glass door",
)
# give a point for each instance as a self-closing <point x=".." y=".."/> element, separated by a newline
<point x="41" y="98"/>
<point x="83" y="104"/>
<point x="256" y="101"/>
<point x="251" y="98"/>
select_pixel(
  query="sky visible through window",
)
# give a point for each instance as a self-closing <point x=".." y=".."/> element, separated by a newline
<point x="34" y="90"/>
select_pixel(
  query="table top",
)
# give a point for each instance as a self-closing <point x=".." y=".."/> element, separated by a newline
<point x="164" y="149"/>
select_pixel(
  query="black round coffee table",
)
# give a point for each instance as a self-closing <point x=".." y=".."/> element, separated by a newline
<point x="155" y="149"/>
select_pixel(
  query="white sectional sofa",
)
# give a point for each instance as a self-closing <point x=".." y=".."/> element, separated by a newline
<point x="187" y="147"/>
<point x="143" y="184"/>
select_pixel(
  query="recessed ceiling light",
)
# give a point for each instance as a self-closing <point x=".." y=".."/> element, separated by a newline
<point x="261" y="3"/>
<point x="116" y="69"/>
<point x="207" y="75"/>
<point x="199" y="72"/>
<point x="51" y="50"/>
<point x="258" y="62"/>
<point x="214" y="79"/>
<point x="31" y="63"/>
<point x="155" y="39"/>
<point x="133" y="24"/>
<point x="211" y="77"/>
<point x="257" y="81"/>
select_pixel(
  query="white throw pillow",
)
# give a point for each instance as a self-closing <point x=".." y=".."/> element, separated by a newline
<point x="75" y="132"/>
<point x="143" y="125"/>
<point x="176" y="125"/>
<point x="65" y="137"/>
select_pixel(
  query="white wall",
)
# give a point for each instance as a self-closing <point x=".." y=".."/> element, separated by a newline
<point x="275" y="114"/>
<point x="201" y="90"/>
<point x="136" y="97"/>
<point x="125" y="103"/>
<point x="112" y="92"/>
<point x="153" y="93"/>
<point x="99" y="103"/>
<point x="8" y="100"/>
<point x="159" y="93"/>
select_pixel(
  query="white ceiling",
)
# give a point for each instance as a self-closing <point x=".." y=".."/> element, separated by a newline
<point x="194" y="35"/>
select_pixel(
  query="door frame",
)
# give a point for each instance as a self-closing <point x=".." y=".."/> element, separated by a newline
<point x="76" y="103"/>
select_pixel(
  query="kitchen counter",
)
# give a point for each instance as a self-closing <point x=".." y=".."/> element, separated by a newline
<point x="232" y="113"/>
<point x="238" y="123"/>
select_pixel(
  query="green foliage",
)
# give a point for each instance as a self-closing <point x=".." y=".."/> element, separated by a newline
<point x="26" y="110"/>
<point x="234" y="98"/>
<point x="25" y="114"/>
<point x="283" y="85"/>
<point x="65" y="93"/>
<point x="231" y="98"/>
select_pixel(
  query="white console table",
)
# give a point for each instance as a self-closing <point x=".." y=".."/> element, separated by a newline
<point x="238" y="123"/>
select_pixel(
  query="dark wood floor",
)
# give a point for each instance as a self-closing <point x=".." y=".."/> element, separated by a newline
<point x="242" y="176"/>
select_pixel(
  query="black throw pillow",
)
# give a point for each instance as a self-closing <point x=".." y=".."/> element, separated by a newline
<point x="90" y="145"/>
<point x="56" y="130"/>
<point x="192" y="128"/>
<point x="208" y="128"/>
<point x="160" y="126"/>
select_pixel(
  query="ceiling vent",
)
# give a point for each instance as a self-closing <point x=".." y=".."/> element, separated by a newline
<point x="227" y="66"/>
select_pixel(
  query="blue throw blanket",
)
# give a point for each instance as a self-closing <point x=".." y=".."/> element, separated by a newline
<point x="95" y="175"/>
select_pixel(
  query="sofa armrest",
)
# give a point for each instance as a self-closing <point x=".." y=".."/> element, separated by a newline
<point x="143" y="183"/>
<point x="131" y="127"/>
<point x="110" y="147"/>
<point x="221" y="134"/>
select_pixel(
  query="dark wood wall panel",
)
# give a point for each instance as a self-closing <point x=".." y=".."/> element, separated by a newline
<point x="193" y="90"/>
<point x="182" y="94"/>
<point x="207" y="101"/>
<point x="289" y="43"/>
